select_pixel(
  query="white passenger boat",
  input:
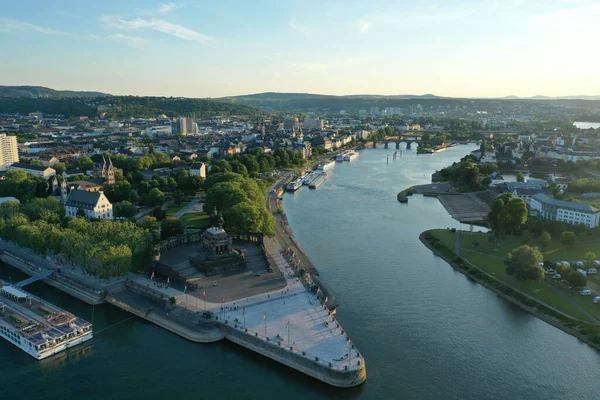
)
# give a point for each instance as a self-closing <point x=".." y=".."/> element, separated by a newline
<point x="36" y="326"/>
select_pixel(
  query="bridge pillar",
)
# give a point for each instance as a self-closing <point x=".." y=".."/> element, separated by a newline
<point x="397" y="145"/>
<point x="408" y="145"/>
<point x="386" y="145"/>
<point x="374" y="145"/>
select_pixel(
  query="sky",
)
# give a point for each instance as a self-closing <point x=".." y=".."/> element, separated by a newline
<point x="214" y="48"/>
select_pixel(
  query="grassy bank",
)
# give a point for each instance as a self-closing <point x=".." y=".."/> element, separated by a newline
<point x="196" y="220"/>
<point x="403" y="195"/>
<point x="484" y="263"/>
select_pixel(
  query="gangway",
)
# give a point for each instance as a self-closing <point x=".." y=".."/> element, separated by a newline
<point x="35" y="278"/>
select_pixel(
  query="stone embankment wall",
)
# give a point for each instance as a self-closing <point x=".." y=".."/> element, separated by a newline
<point x="281" y="354"/>
<point x="62" y="282"/>
<point x="204" y="333"/>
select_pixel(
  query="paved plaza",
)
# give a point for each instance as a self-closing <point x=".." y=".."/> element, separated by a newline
<point x="294" y="316"/>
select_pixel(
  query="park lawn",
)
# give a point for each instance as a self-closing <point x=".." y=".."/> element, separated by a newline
<point x="174" y="209"/>
<point x="493" y="263"/>
<point x="540" y="290"/>
<point x="554" y="252"/>
<point x="195" y="220"/>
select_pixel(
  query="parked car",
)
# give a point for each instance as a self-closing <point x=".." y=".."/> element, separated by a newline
<point x="592" y="271"/>
<point x="556" y="276"/>
<point x="551" y="271"/>
<point x="586" y="292"/>
<point x="597" y="299"/>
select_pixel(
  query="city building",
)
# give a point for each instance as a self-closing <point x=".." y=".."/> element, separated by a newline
<point x="93" y="204"/>
<point x="291" y="123"/>
<point x="44" y="172"/>
<point x="314" y="124"/>
<point x="9" y="153"/>
<point x="105" y="172"/>
<point x="544" y="206"/>
<point x="185" y="126"/>
<point x="198" y="169"/>
<point x="159" y="130"/>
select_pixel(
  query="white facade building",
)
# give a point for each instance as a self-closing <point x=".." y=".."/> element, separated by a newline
<point x="9" y="153"/>
<point x="93" y="204"/>
<point x="544" y="206"/>
<point x="198" y="169"/>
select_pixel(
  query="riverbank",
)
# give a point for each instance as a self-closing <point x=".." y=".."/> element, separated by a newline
<point x="575" y="327"/>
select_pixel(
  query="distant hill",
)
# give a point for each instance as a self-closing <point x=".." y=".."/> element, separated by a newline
<point x="44" y="92"/>
<point x="308" y="101"/>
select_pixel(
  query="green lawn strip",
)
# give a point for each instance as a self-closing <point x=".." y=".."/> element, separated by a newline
<point x="538" y="290"/>
<point x="495" y="266"/>
<point x="195" y="220"/>
<point x="554" y="252"/>
<point x="172" y="210"/>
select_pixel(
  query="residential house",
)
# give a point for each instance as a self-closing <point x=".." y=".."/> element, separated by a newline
<point x="198" y="169"/>
<point x="44" y="172"/>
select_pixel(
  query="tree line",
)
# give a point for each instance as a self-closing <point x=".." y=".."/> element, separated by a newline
<point x="101" y="247"/>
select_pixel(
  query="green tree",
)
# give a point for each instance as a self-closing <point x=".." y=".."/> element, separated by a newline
<point x="83" y="163"/>
<point x="517" y="215"/>
<point x="170" y="227"/>
<point x="178" y="197"/>
<point x="524" y="263"/>
<point x="520" y="177"/>
<point x="574" y="278"/>
<point x="568" y="239"/>
<point x="149" y="223"/>
<point x="545" y="239"/>
<point x="59" y="168"/>
<point x="590" y="257"/>
<point x="156" y="198"/>
<point x="124" y="209"/>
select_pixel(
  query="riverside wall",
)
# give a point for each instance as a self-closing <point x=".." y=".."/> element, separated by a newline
<point x="205" y="333"/>
<point x="61" y="282"/>
<point x="282" y="354"/>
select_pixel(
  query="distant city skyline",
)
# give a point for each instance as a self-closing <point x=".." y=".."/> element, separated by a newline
<point x="457" y="48"/>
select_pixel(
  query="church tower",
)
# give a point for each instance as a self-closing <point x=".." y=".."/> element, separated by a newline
<point x="110" y="172"/>
<point x="63" y="188"/>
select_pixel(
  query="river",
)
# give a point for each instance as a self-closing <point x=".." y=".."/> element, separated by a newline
<point x="587" y="125"/>
<point x="426" y="331"/>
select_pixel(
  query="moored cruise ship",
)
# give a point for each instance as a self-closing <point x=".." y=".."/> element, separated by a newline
<point x="351" y="155"/>
<point x="326" y="166"/>
<point x="294" y="185"/>
<point x="36" y="326"/>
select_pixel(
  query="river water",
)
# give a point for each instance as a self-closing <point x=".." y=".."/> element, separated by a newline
<point x="587" y="125"/>
<point x="425" y="330"/>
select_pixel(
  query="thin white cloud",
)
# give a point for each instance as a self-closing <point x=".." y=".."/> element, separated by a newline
<point x="13" y="26"/>
<point x="133" y="41"/>
<point x="302" y="29"/>
<point x="168" y="7"/>
<point x="158" y="25"/>
<point x="432" y="14"/>
<point x="363" y="27"/>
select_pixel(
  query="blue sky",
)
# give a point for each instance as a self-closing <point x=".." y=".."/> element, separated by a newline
<point x="225" y="47"/>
